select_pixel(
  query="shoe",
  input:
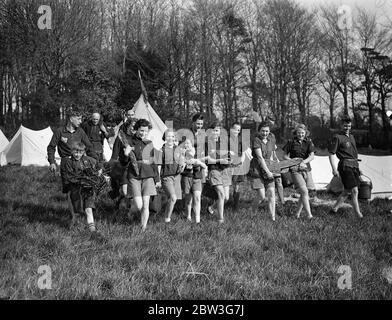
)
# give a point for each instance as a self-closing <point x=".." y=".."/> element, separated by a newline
<point x="167" y="220"/>
<point x="221" y="221"/>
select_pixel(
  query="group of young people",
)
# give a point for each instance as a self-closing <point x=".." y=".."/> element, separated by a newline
<point x="190" y="159"/>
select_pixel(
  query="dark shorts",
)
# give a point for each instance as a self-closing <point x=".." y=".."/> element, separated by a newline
<point x="189" y="184"/>
<point x="220" y="177"/>
<point x="81" y="198"/>
<point x="172" y="185"/>
<point x="124" y="177"/>
<point x="259" y="183"/>
<point x="142" y="187"/>
<point x="350" y="177"/>
<point x="238" y="179"/>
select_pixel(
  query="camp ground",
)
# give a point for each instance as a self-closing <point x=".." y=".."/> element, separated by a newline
<point x="27" y="147"/>
<point x="377" y="169"/>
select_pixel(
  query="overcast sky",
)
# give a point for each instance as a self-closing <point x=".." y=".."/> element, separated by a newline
<point x="381" y="7"/>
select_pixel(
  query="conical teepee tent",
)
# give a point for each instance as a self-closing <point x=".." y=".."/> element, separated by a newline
<point x="27" y="147"/>
<point x="143" y="110"/>
<point x="3" y="141"/>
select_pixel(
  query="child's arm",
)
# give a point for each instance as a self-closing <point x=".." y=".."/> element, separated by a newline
<point x="200" y="163"/>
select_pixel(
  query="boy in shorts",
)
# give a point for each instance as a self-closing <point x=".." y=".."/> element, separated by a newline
<point x="73" y="169"/>
<point x="344" y="146"/>
<point x="218" y="159"/>
<point x="263" y="147"/>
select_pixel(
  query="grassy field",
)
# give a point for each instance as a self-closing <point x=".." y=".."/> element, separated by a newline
<point x="249" y="257"/>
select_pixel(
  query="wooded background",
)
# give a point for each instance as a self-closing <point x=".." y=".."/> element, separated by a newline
<point x="224" y="58"/>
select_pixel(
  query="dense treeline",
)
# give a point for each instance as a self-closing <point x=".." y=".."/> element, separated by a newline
<point x="222" y="58"/>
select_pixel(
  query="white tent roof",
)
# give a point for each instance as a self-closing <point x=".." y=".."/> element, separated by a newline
<point x="377" y="168"/>
<point x="28" y="147"/>
<point x="144" y="110"/>
<point x="3" y="141"/>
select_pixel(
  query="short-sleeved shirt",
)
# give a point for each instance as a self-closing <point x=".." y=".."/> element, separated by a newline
<point x="266" y="148"/>
<point x="296" y="149"/>
<point x="266" y="151"/>
<point x="345" y="149"/>
<point x="169" y="159"/>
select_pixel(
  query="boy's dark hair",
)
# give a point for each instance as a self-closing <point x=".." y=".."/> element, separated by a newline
<point x="74" y="111"/>
<point x="346" y="119"/>
<point x="215" y="124"/>
<point x="236" y="123"/>
<point x="78" y="146"/>
<point x="197" y="116"/>
<point x="142" y="123"/>
<point x="264" y="124"/>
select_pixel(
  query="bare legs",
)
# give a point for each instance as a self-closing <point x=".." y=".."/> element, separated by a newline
<point x="170" y="206"/>
<point x="271" y="199"/>
<point x="303" y="202"/>
<point x="141" y="204"/>
<point x="354" y="201"/>
<point x="195" y="199"/>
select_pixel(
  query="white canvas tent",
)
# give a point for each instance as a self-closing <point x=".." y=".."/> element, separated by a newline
<point x="377" y="168"/>
<point x="143" y="110"/>
<point x="3" y="141"/>
<point x="28" y="147"/>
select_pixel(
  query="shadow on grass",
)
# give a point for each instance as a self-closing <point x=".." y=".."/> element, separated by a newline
<point x="54" y="215"/>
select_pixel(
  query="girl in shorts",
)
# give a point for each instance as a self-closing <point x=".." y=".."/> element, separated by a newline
<point x="170" y="168"/>
<point x="191" y="180"/>
<point x="302" y="147"/>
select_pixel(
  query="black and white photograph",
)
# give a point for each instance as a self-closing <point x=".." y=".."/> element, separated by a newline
<point x="206" y="152"/>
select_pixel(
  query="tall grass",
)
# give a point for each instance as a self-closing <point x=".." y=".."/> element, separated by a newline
<point x="249" y="257"/>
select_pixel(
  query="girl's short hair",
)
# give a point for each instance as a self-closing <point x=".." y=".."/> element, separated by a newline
<point x="142" y="123"/>
<point x="264" y="124"/>
<point x="168" y="131"/>
<point x="215" y="124"/>
<point x="300" y="127"/>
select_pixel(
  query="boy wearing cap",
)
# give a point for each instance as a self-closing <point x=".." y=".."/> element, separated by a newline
<point x="344" y="146"/>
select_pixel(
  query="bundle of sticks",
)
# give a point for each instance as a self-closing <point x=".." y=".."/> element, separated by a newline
<point x="91" y="179"/>
<point x="132" y="157"/>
